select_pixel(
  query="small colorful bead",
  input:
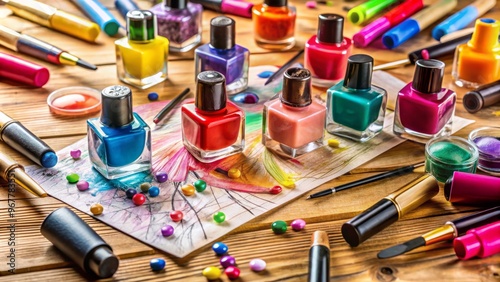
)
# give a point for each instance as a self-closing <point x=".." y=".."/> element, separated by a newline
<point x="298" y="224"/>
<point x="232" y="272"/>
<point x="153" y="96"/>
<point x="219" y="217"/>
<point x="212" y="272"/>
<point x="188" y="190"/>
<point x="154" y="191"/>
<point x="157" y="264"/>
<point x="257" y="265"/>
<point x="334" y="143"/>
<point x="176" y="216"/>
<point x="276" y="190"/>
<point x="138" y="199"/>
<point x="96" y="209"/>
<point x="279" y="227"/>
<point x="75" y="154"/>
<point x="311" y="4"/>
<point x="161" y="176"/>
<point x="72" y="178"/>
<point x="145" y="187"/>
<point x="167" y="230"/>
<point x="130" y="193"/>
<point x="234" y="173"/>
<point x="82" y="185"/>
<point x="227" y="261"/>
<point x="220" y="248"/>
<point x="200" y="185"/>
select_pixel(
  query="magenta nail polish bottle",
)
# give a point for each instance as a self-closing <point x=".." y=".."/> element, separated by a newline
<point x="423" y="108"/>
<point x="472" y="189"/>
<point x="480" y="242"/>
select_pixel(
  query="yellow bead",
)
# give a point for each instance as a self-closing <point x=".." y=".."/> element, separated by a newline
<point x="234" y="173"/>
<point x="96" y="209"/>
<point x="334" y="143"/>
<point x="212" y="272"/>
<point x="188" y="190"/>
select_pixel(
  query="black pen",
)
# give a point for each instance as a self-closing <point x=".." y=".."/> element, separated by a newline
<point x="399" y="171"/>
<point x="284" y="67"/>
<point x="170" y="106"/>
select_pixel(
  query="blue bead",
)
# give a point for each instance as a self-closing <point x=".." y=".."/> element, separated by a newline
<point x="265" y="74"/>
<point x="157" y="264"/>
<point x="219" y="248"/>
<point x="153" y="96"/>
<point x="130" y="193"/>
<point x="154" y="191"/>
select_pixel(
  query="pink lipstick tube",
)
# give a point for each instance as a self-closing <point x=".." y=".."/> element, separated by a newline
<point x="14" y="68"/>
<point x="480" y="242"/>
<point x="392" y="18"/>
<point x="469" y="188"/>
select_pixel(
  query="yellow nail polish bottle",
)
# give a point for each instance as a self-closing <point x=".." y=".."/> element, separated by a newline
<point x="477" y="62"/>
<point x="141" y="57"/>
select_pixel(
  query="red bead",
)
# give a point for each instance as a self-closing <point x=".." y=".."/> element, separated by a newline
<point x="139" y="199"/>
<point x="276" y="190"/>
<point x="176" y="216"/>
<point x="232" y="272"/>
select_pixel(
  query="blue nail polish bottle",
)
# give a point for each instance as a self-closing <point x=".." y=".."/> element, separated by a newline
<point x="119" y="141"/>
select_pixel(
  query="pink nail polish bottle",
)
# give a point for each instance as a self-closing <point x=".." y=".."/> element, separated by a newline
<point x="472" y="189"/>
<point x="423" y="108"/>
<point x="294" y="123"/>
<point x="480" y="242"/>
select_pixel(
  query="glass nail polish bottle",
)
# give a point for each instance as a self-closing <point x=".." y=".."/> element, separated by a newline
<point x="180" y="22"/>
<point x="423" y="108"/>
<point x="141" y="57"/>
<point x="294" y="124"/>
<point x="327" y="52"/>
<point x="224" y="56"/>
<point x="212" y="127"/>
<point x="478" y="61"/>
<point x="356" y="108"/>
<point x="119" y="141"/>
<point x="274" y="24"/>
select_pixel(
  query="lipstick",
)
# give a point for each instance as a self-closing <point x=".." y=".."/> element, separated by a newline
<point x="389" y="210"/>
<point x="12" y="171"/>
<point x="232" y="7"/>
<point x="14" y="134"/>
<point x="483" y="96"/>
<point x="450" y="230"/>
<point x="319" y="258"/>
<point x="23" y="71"/>
<point x="469" y="188"/>
<point x="478" y="242"/>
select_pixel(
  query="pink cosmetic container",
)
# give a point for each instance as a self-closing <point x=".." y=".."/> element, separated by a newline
<point x="23" y="71"/>
<point x="480" y="242"/>
<point x="469" y="188"/>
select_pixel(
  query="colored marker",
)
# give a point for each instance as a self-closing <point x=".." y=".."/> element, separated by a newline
<point x="99" y="14"/>
<point x="54" y="18"/>
<point x="420" y="21"/>
<point x="23" y="71"/>
<point x="462" y="18"/>
<point x="26" y="44"/>
<point x="367" y="10"/>
<point x="392" y="18"/>
<point x="124" y="6"/>
<point x="232" y="7"/>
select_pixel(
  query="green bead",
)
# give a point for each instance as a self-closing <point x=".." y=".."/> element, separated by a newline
<point x="200" y="185"/>
<point x="72" y="178"/>
<point x="145" y="187"/>
<point x="219" y="217"/>
<point x="279" y="227"/>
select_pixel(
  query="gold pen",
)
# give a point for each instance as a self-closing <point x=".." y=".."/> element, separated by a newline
<point x="14" y="172"/>
<point x="49" y="16"/>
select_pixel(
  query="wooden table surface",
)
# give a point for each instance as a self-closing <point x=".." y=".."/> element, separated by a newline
<point x="286" y="255"/>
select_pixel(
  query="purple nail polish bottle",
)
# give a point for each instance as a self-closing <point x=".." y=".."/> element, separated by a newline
<point x="180" y="22"/>
<point x="224" y="56"/>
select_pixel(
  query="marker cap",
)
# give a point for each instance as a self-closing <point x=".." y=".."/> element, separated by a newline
<point x="455" y="22"/>
<point x="23" y="71"/>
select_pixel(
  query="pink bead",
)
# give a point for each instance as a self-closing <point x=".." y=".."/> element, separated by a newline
<point x="75" y="154"/>
<point x="311" y="4"/>
<point x="298" y="224"/>
<point x="257" y="265"/>
<point x="82" y="185"/>
<point x="232" y="272"/>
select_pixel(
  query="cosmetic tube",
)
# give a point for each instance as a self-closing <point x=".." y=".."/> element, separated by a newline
<point x="472" y="189"/>
<point x="480" y="242"/>
<point x="26" y="72"/>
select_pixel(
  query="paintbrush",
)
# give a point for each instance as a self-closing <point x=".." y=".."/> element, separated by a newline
<point x="284" y="67"/>
<point x="170" y="106"/>
<point x="450" y="230"/>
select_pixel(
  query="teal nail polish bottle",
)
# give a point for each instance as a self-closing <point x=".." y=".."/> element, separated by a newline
<point x="356" y="109"/>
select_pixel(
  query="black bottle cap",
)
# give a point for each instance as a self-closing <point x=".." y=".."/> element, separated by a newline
<point x="141" y="25"/>
<point x="175" y="4"/>
<point x="296" y="87"/>
<point x="483" y="96"/>
<point x="222" y="32"/>
<point x="428" y="76"/>
<point x="210" y="91"/>
<point x="116" y="106"/>
<point x="330" y="28"/>
<point x="276" y="3"/>
<point x="370" y="222"/>
<point x="359" y="72"/>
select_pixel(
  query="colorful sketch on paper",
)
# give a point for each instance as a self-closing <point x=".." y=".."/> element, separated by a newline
<point x="241" y="200"/>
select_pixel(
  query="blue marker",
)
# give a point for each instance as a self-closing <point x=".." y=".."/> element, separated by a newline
<point x="124" y="6"/>
<point x="462" y="18"/>
<point x="100" y="15"/>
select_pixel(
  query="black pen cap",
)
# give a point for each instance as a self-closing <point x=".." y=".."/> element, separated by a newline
<point x="296" y="90"/>
<point x="428" y="76"/>
<point x="330" y="28"/>
<point x="222" y="33"/>
<point x="116" y="106"/>
<point x="73" y="237"/>
<point x="483" y="96"/>
<point x="210" y="91"/>
<point x="359" y="70"/>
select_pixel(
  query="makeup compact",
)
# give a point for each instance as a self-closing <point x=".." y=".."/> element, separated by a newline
<point x="74" y="101"/>
<point x="487" y="140"/>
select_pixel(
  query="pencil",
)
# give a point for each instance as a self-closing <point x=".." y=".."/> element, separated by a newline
<point x="170" y="106"/>
<point x="284" y="67"/>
